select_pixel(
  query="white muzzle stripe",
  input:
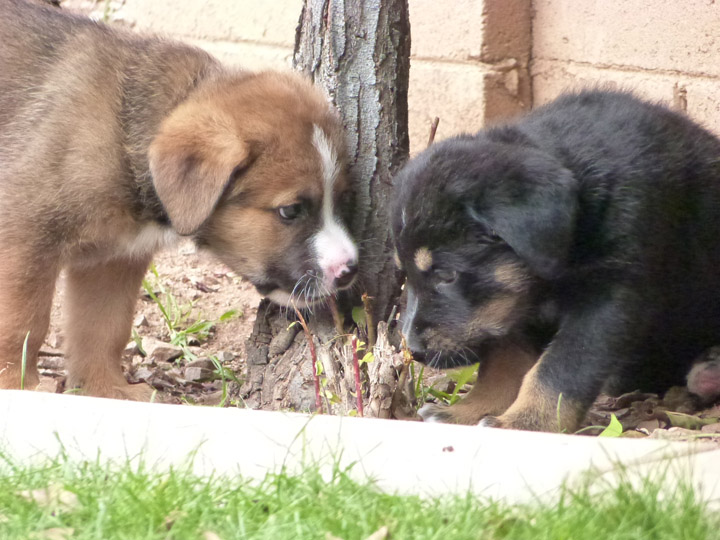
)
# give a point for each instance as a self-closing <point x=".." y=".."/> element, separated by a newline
<point x="334" y="250"/>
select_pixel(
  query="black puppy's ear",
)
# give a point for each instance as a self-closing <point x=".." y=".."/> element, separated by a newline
<point x="534" y="213"/>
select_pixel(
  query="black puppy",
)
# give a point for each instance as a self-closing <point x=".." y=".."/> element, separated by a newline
<point x="589" y="230"/>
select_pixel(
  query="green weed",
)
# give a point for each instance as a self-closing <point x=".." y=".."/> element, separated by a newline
<point x="461" y="377"/>
<point x="182" y="329"/>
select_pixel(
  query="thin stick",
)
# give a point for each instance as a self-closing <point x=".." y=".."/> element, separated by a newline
<point x="313" y="356"/>
<point x="433" y="130"/>
<point x="337" y="319"/>
<point x="356" y="369"/>
<point x="372" y="332"/>
<point x="407" y="360"/>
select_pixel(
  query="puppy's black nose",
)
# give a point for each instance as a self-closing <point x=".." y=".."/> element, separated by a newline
<point x="346" y="276"/>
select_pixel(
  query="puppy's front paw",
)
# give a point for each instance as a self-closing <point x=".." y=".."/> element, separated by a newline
<point x="460" y="413"/>
<point x="525" y="422"/>
<point x="490" y="421"/>
<point x="135" y="392"/>
<point x="11" y="378"/>
<point x="432" y="412"/>
<point x="537" y="418"/>
<point x="130" y="392"/>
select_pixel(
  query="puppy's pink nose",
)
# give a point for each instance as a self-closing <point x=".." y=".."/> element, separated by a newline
<point x="345" y="275"/>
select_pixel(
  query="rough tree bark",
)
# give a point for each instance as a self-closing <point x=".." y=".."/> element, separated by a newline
<point x="359" y="52"/>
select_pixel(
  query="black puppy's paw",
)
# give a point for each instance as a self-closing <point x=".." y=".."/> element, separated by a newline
<point x="704" y="379"/>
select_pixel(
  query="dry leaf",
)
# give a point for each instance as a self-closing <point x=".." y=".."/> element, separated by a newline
<point x="56" y="533"/>
<point x="53" y="497"/>
<point x="689" y="421"/>
<point x="172" y="517"/>
<point x="711" y="428"/>
<point x="381" y="534"/>
<point x="649" y="425"/>
<point x="675" y="434"/>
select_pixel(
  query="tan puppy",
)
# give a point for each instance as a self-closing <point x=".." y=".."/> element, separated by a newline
<point x="112" y="146"/>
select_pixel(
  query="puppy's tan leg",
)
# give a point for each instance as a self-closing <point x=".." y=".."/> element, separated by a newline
<point x="100" y="301"/>
<point x="26" y="292"/>
<point x="497" y="386"/>
<point x="539" y="408"/>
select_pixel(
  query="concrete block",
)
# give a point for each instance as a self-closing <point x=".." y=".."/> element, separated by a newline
<point x="698" y="96"/>
<point x="662" y="35"/>
<point x="216" y="20"/>
<point x="250" y="56"/>
<point x="507" y="30"/>
<point x="448" y="30"/>
<point x="400" y="457"/>
<point x="466" y="97"/>
<point x="471" y="30"/>
<point x="450" y="91"/>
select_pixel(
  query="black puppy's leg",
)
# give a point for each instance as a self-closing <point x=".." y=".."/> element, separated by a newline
<point x="592" y="343"/>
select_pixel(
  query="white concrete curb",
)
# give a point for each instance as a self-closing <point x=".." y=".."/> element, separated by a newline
<point x="404" y="457"/>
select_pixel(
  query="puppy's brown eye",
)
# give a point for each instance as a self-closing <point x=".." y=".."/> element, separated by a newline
<point x="446" y="276"/>
<point x="291" y="211"/>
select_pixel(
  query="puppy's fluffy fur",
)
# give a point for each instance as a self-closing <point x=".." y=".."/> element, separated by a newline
<point x="588" y="231"/>
<point x="114" y="145"/>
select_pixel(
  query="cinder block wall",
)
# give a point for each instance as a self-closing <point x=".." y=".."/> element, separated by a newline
<point x="469" y="62"/>
<point x="477" y="61"/>
<point x="665" y="50"/>
<point x="255" y="34"/>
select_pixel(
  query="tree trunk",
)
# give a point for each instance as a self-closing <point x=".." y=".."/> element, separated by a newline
<point x="360" y="53"/>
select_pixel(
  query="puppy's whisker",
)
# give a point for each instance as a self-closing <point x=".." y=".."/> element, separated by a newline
<point x="291" y="299"/>
<point x="434" y="361"/>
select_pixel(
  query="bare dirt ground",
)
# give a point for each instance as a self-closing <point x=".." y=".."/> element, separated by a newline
<point x="202" y="289"/>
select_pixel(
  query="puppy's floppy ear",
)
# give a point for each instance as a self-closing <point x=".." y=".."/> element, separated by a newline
<point x="192" y="160"/>
<point x="534" y="211"/>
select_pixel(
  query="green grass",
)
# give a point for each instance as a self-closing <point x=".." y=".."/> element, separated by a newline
<point x="93" y="501"/>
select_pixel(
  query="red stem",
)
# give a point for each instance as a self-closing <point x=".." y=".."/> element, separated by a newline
<point x="313" y="356"/>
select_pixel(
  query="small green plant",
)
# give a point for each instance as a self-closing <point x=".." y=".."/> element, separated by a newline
<point x="614" y="429"/>
<point x="225" y="375"/>
<point x="461" y="377"/>
<point x="138" y="342"/>
<point x="420" y="390"/>
<point x="359" y="318"/>
<point x="177" y="317"/>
